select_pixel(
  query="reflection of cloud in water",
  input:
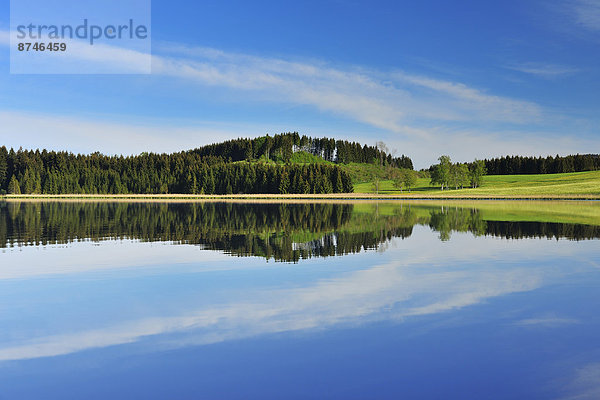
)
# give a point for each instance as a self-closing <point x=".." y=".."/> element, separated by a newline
<point x="585" y="384"/>
<point x="425" y="277"/>
<point x="111" y="256"/>
<point x="389" y="291"/>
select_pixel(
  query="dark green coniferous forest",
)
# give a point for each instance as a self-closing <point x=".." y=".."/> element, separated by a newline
<point x="261" y="165"/>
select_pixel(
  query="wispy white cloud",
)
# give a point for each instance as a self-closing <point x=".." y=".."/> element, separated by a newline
<point x="546" y="321"/>
<point x="542" y="70"/>
<point x="470" y="103"/>
<point x="585" y="384"/>
<point x="347" y="93"/>
<point x="393" y="101"/>
<point x="578" y="18"/>
<point x="586" y="13"/>
<point x="360" y="94"/>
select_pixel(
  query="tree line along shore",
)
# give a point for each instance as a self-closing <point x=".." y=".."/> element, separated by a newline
<point x="282" y="164"/>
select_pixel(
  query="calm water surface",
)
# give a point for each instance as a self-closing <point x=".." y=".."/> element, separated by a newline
<point x="259" y="301"/>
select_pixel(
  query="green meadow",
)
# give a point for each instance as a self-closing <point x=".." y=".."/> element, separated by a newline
<point x="575" y="184"/>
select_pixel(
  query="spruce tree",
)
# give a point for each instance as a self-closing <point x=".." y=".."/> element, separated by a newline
<point x="13" y="186"/>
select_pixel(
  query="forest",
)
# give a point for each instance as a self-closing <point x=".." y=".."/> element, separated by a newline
<point x="260" y="165"/>
<point x="458" y="175"/>
<point x="49" y="172"/>
<point x="279" y="164"/>
<point x="282" y="147"/>
<point x="517" y="165"/>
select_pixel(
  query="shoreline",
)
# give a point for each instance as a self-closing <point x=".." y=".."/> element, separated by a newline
<point x="291" y="197"/>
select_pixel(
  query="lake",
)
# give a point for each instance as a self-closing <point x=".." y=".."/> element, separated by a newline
<point x="345" y="300"/>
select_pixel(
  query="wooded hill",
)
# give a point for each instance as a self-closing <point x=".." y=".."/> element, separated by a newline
<point x="261" y="165"/>
<point x="282" y="148"/>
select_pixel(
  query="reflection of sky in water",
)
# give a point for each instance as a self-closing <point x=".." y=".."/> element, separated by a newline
<point x="466" y="318"/>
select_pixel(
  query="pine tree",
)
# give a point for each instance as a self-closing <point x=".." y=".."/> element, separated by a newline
<point x="338" y="184"/>
<point x="284" y="182"/>
<point x="13" y="186"/>
<point x="3" y="165"/>
<point x="28" y="182"/>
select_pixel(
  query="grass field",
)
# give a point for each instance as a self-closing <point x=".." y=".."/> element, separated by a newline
<point x="576" y="184"/>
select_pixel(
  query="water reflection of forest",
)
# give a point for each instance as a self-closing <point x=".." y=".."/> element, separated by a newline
<point x="284" y="232"/>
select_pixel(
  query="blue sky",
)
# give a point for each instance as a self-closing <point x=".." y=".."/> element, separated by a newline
<point x="468" y="79"/>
